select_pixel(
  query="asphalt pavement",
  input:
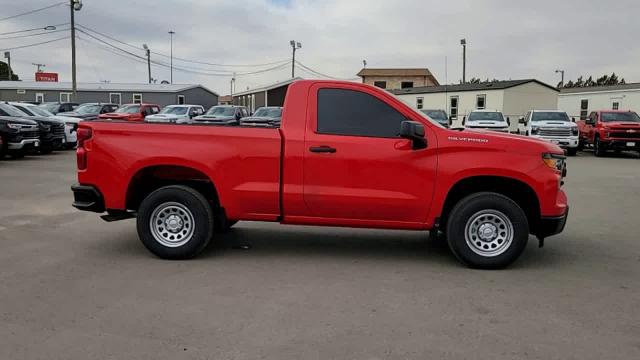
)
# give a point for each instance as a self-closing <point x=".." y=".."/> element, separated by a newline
<point x="75" y="287"/>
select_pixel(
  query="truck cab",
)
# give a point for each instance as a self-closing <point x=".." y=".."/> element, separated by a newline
<point x="553" y="126"/>
<point x="610" y="130"/>
<point x="487" y="120"/>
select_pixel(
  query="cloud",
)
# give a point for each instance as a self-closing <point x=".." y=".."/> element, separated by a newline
<point x="507" y="39"/>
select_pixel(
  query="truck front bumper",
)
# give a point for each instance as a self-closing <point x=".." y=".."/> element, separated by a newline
<point x="25" y="144"/>
<point x="550" y="226"/>
<point x="563" y="142"/>
<point x="87" y="198"/>
<point x="622" y="144"/>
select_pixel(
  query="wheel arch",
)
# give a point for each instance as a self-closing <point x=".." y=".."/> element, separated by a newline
<point x="517" y="190"/>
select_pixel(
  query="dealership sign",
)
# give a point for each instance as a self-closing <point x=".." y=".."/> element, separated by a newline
<point x="47" y="77"/>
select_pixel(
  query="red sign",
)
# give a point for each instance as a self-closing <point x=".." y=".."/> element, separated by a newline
<point x="48" y="77"/>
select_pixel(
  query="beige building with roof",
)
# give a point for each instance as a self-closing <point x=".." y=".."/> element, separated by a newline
<point x="392" y="79"/>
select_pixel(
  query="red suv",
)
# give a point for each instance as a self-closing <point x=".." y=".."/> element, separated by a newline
<point x="610" y="130"/>
<point x="132" y="112"/>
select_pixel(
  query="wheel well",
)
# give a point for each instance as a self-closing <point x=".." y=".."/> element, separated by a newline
<point x="516" y="190"/>
<point x="149" y="179"/>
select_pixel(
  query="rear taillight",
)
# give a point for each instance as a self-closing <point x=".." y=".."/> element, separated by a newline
<point x="84" y="134"/>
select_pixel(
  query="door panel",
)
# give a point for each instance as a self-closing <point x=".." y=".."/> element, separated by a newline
<point x="366" y="178"/>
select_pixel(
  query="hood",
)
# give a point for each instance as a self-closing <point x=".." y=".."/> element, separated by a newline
<point x="46" y="120"/>
<point x="260" y="119"/>
<point x="554" y="124"/>
<point x="15" y="120"/>
<point x="214" y="118"/>
<point x="78" y="115"/>
<point x="487" y="124"/>
<point x="115" y="116"/>
<point x="487" y="139"/>
<point x="622" y="124"/>
<point x="166" y="116"/>
<point x="66" y="119"/>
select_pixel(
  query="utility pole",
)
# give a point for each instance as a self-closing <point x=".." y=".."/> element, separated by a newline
<point x="7" y="55"/>
<point x="364" y="63"/>
<point x="74" y="5"/>
<point x="38" y="66"/>
<point x="171" y="33"/>
<point x="233" y="83"/>
<point x="562" y="77"/>
<point x="148" y="51"/>
<point x="295" y="46"/>
<point x="463" y="42"/>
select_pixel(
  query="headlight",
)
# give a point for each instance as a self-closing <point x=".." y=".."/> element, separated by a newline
<point x="575" y="131"/>
<point x="534" y="129"/>
<point x="14" y="126"/>
<point x="554" y="161"/>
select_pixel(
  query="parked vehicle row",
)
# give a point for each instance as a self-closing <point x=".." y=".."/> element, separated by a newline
<point x="50" y="136"/>
<point x="603" y="130"/>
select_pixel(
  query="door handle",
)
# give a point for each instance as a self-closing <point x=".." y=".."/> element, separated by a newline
<point x="322" y="149"/>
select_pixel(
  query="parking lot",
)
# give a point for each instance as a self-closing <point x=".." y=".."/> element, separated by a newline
<point x="75" y="287"/>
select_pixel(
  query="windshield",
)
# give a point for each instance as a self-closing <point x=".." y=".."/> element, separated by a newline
<point x="51" y="107"/>
<point x="620" y="116"/>
<point x="89" y="109"/>
<point x="268" y="112"/>
<point x="39" y="111"/>
<point x="550" y="116"/>
<point x="486" y="116"/>
<point x="221" y="111"/>
<point x="11" y="111"/>
<point x="174" y="110"/>
<point x="128" y="109"/>
<point x="437" y="115"/>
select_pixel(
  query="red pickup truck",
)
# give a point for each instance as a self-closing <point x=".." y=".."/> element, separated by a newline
<point x="345" y="154"/>
<point x="610" y="130"/>
<point x="131" y="112"/>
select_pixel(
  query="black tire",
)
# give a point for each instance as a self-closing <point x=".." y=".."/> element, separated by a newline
<point x="598" y="148"/>
<point x="46" y="150"/>
<point x="18" y="154"/>
<point x="580" y="145"/>
<point x="572" y="151"/>
<point x="469" y="208"/>
<point x="201" y="216"/>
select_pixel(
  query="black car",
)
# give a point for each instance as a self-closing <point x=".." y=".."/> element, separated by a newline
<point x="58" y="107"/>
<point x="90" y="111"/>
<point x="440" y="116"/>
<point x="18" y="136"/>
<point x="265" y="116"/>
<point x="51" y="131"/>
<point x="223" y="115"/>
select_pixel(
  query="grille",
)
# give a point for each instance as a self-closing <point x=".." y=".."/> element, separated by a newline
<point x="30" y="134"/>
<point x="57" y="129"/>
<point x="625" y="135"/>
<point x="554" y="132"/>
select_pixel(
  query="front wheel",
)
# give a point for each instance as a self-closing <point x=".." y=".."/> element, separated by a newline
<point x="572" y="151"/>
<point x="598" y="148"/>
<point x="487" y="231"/>
<point x="175" y="222"/>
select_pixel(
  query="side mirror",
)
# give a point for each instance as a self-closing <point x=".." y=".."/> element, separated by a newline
<point x="573" y="119"/>
<point x="521" y="120"/>
<point x="508" y="121"/>
<point x="238" y="116"/>
<point x="464" y="120"/>
<point x="413" y="131"/>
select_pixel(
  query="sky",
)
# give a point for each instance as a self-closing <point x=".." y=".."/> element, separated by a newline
<point x="506" y="39"/>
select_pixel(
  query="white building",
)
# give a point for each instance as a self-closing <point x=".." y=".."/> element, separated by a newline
<point x="513" y="98"/>
<point x="579" y="102"/>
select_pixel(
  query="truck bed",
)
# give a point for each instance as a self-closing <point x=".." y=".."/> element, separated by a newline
<point x="243" y="162"/>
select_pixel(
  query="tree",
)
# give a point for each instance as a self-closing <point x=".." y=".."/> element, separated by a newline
<point x="4" y="72"/>
<point x="579" y="82"/>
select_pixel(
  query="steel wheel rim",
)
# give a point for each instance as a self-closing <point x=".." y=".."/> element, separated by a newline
<point x="489" y="233"/>
<point x="172" y="224"/>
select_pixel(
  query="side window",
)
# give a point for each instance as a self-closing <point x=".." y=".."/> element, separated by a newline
<point x="380" y="84"/>
<point x="481" y="102"/>
<point x="419" y="103"/>
<point x="349" y="112"/>
<point x="453" y="107"/>
<point x="584" y="109"/>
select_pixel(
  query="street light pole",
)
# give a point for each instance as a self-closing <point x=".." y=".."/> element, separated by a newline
<point x="463" y="42"/>
<point x="74" y="5"/>
<point x="171" y="33"/>
<point x="148" y="51"/>
<point x="295" y="46"/>
<point x="562" y="77"/>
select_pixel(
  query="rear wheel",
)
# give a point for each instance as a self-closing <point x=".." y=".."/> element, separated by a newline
<point x="175" y="222"/>
<point x="598" y="148"/>
<point x="487" y="231"/>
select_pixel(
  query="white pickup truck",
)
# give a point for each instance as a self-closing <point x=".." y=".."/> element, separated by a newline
<point x="486" y="119"/>
<point x="553" y="126"/>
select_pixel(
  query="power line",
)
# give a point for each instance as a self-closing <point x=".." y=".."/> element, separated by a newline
<point x="138" y="58"/>
<point x="186" y="60"/>
<point x="36" y="34"/>
<point x="317" y="73"/>
<point x="33" y="11"/>
<point x="34" y="29"/>
<point x="36" y="44"/>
